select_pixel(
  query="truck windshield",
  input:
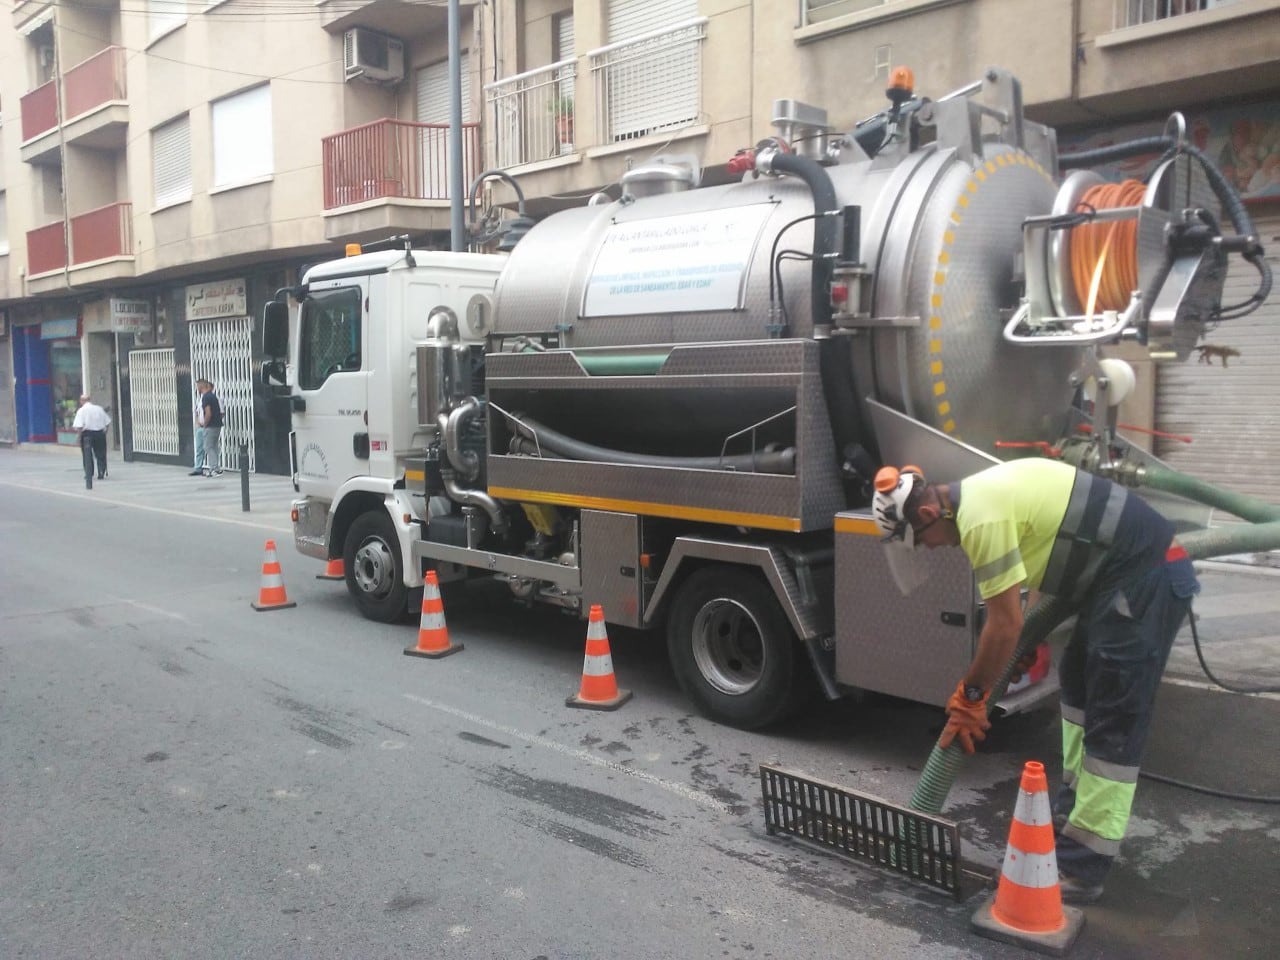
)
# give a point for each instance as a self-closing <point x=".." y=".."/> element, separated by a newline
<point x="329" y="335"/>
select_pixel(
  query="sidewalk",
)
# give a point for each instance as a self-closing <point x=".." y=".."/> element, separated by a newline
<point x="152" y="486"/>
<point x="1238" y="609"/>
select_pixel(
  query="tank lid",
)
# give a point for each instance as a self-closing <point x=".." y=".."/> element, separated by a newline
<point x="662" y="174"/>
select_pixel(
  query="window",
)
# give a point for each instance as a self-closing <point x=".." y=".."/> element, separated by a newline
<point x="4" y="226"/>
<point x="171" y="162"/>
<point x="329" y="336"/>
<point x="242" y="144"/>
<point x="164" y="15"/>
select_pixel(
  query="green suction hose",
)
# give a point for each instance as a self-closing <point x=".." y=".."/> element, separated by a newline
<point x="942" y="766"/>
<point x="1260" y="534"/>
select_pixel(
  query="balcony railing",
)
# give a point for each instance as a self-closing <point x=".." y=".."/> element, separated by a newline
<point x="1131" y="13"/>
<point x="102" y="233"/>
<point x="394" y="158"/>
<point x="47" y="248"/>
<point x="39" y="110"/>
<point x="95" y="81"/>
<point x="628" y="103"/>
<point x="534" y="114"/>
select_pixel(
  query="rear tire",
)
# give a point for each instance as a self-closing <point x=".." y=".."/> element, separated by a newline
<point x="375" y="573"/>
<point x="733" y="652"/>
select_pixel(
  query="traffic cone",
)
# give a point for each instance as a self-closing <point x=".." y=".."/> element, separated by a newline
<point x="599" y="689"/>
<point x="271" y="593"/>
<point x="433" y="635"/>
<point x="333" y="570"/>
<point x="1027" y="907"/>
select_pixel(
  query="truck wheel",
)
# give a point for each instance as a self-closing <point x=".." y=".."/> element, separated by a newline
<point x="731" y="648"/>
<point x="375" y="575"/>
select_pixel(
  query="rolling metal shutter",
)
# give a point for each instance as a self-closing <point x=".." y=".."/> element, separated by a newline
<point x="1232" y="414"/>
<point x="433" y="92"/>
<point x="632" y="18"/>
<point x="171" y="162"/>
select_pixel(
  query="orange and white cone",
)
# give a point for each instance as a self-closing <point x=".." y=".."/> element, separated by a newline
<point x="333" y="570"/>
<point x="599" y="689"/>
<point x="271" y="594"/>
<point x="433" y="634"/>
<point x="1027" y="907"/>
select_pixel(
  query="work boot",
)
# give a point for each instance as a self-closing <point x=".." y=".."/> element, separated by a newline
<point x="1077" y="891"/>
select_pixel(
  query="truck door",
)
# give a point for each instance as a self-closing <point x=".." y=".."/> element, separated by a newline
<point x="332" y="432"/>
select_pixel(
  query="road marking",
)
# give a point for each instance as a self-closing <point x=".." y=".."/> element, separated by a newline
<point x="1214" y="688"/>
<point x="95" y="498"/>
<point x="679" y="789"/>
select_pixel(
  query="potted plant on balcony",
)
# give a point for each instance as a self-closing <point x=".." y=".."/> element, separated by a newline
<point x="561" y="108"/>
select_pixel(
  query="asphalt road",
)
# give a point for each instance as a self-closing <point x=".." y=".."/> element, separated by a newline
<point x="186" y="777"/>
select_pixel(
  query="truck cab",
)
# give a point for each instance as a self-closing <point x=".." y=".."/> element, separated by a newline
<point x="350" y="373"/>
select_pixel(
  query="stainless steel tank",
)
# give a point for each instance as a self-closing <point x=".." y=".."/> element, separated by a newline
<point x="940" y="236"/>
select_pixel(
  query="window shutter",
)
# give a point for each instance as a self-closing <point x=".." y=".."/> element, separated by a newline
<point x="171" y="162"/>
<point x="433" y="92"/>
<point x="242" y="142"/>
<point x="633" y="18"/>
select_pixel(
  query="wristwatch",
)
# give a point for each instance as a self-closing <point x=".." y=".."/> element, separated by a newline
<point x="973" y="694"/>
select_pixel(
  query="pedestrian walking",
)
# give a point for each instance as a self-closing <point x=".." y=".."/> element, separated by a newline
<point x="211" y="415"/>
<point x="197" y="413"/>
<point x="91" y="424"/>
<point x="1047" y="526"/>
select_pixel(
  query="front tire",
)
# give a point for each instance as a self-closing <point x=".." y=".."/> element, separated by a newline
<point x="732" y="650"/>
<point x="375" y="572"/>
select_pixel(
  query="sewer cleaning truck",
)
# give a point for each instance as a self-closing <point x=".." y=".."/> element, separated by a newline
<point x="673" y="403"/>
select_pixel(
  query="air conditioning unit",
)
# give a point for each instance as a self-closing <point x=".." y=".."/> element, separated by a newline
<point x="371" y="56"/>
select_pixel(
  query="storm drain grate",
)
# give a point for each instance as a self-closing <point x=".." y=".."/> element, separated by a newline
<point x="916" y="845"/>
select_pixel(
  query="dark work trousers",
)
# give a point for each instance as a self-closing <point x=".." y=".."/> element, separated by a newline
<point x="1110" y="673"/>
<point x="93" y="445"/>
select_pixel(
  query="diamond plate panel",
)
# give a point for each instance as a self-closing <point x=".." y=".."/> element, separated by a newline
<point x="899" y="644"/>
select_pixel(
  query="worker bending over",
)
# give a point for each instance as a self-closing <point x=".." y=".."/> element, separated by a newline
<point x="1044" y="525"/>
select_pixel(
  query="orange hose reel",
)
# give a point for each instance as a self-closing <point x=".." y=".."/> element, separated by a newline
<point x="1104" y="256"/>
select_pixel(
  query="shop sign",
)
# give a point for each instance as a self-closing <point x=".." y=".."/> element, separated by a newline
<point x="224" y="298"/>
<point x="60" y="329"/>
<point x="130" y="316"/>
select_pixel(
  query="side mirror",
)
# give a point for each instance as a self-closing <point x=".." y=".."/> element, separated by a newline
<point x="274" y="373"/>
<point x="275" y="329"/>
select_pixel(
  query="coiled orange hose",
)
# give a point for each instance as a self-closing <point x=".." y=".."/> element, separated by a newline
<point x="1104" y="256"/>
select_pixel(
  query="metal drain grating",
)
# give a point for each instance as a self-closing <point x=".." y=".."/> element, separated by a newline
<point x="916" y="845"/>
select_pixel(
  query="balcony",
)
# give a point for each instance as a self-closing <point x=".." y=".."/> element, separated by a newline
<point x="101" y="249"/>
<point x="1132" y="13"/>
<point x="39" y="111"/>
<point x="629" y="105"/>
<point x="95" y="101"/>
<point x="535" y="114"/>
<point x="394" y="173"/>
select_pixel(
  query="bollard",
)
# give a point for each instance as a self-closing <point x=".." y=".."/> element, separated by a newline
<point x="244" y="478"/>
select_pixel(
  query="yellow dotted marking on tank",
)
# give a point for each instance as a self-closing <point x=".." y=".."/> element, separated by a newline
<point x="979" y="176"/>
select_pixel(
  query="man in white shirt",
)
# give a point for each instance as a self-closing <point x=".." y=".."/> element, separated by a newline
<point x="198" y="413"/>
<point x="91" y="424"/>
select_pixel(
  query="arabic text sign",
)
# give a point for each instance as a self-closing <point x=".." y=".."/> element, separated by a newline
<point x="688" y="263"/>
<point x="223" y="298"/>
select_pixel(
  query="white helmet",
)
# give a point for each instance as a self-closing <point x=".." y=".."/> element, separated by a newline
<point x="889" y="505"/>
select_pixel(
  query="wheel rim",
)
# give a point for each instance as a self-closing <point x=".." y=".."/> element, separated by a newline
<point x="728" y="646"/>
<point x="374" y="568"/>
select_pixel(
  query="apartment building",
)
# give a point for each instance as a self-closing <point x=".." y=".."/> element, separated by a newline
<point x="167" y="164"/>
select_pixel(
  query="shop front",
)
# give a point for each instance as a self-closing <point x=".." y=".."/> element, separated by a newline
<point x="48" y="379"/>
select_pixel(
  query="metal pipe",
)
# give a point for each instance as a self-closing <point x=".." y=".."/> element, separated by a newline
<point x="474" y="498"/>
<point x="457" y="232"/>
<point x="464" y="460"/>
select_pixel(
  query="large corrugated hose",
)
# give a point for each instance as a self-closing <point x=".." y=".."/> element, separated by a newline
<point x="1261" y="533"/>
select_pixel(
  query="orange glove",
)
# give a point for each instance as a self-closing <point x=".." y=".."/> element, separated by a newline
<point x="966" y="720"/>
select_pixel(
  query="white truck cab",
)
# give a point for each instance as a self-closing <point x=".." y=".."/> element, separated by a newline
<point x="352" y="381"/>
